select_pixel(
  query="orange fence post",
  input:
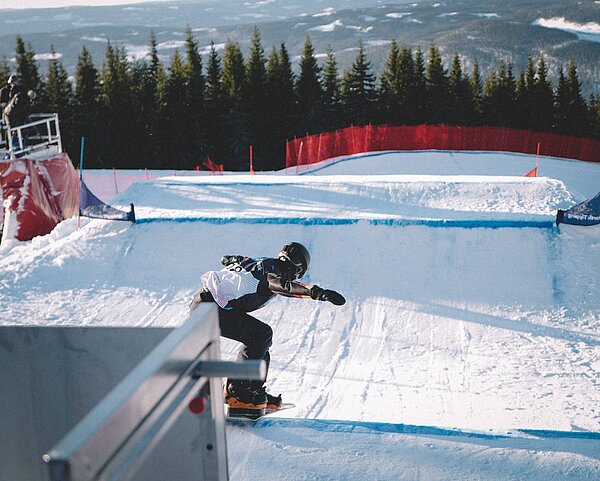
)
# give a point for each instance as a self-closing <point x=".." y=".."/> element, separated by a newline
<point x="115" y="180"/>
<point x="319" y="148"/>
<point x="298" y="160"/>
<point x="251" y="162"/>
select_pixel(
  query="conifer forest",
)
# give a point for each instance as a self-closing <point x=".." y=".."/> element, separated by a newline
<point x="144" y="114"/>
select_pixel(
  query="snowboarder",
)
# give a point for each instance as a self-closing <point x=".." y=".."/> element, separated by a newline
<point x="244" y="285"/>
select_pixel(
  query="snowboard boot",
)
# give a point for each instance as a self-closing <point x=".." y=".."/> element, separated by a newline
<point x="274" y="403"/>
<point x="242" y="401"/>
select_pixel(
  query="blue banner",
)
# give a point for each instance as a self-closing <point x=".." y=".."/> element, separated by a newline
<point x="91" y="206"/>
<point x="586" y="213"/>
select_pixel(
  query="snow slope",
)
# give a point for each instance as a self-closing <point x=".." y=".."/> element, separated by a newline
<point x="492" y="330"/>
<point x="334" y="198"/>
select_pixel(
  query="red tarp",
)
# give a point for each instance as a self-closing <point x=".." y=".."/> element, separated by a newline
<point x="44" y="192"/>
<point x="373" y="138"/>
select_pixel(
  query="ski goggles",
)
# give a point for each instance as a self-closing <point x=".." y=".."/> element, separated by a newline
<point x="299" y="267"/>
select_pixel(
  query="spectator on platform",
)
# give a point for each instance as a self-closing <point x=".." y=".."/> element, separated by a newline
<point x="16" y="113"/>
<point x="12" y="87"/>
<point x="18" y="109"/>
<point x="5" y="91"/>
<point x="5" y="96"/>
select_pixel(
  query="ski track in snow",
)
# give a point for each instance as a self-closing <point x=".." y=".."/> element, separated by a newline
<point x="488" y="330"/>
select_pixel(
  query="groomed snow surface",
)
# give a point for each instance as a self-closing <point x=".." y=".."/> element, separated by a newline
<point x="469" y="348"/>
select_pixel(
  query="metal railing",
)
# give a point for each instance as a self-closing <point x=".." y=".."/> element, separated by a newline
<point x="113" y="440"/>
<point x="40" y="133"/>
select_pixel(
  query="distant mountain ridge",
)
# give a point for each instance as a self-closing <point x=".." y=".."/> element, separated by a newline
<point x="479" y="30"/>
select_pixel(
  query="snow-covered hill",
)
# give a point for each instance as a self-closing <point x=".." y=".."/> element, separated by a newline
<point x="488" y="330"/>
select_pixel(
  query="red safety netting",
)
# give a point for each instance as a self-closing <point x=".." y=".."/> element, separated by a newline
<point x="373" y="138"/>
<point x="42" y="193"/>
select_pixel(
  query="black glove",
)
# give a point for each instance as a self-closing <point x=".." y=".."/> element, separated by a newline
<point x="327" y="295"/>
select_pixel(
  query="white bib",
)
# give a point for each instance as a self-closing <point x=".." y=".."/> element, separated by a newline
<point x="227" y="284"/>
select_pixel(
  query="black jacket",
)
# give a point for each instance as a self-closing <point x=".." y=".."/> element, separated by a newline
<point x="10" y="90"/>
<point x="273" y="279"/>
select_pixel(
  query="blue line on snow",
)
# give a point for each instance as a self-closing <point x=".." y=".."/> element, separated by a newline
<point x="543" y="433"/>
<point x="362" y="426"/>
<point x="456" y="223"/>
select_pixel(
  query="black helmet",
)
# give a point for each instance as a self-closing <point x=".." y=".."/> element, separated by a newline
<point x="298" y="255"/>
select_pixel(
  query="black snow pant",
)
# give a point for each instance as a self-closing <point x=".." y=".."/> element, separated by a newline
<point x="255" y="335"/>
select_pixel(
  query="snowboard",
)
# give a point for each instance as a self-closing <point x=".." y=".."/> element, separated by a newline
<point x="251" y="415"/>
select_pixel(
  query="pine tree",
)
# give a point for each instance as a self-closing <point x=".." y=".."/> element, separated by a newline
<point x="526" y="93"/>
<point x="272" y="108"/>
<point x="390" y="88"/>
<point x="59" y="89"/>
<point x="59" y="96"/>
<point x="572" y="106"/>
<point x="309" y="91"/>
<point x="489" y="100"/>
<point x="117" y="108"/>
<point x="194" y="149"/>
<point x="280" y="103"/>
<point x="455" y="78"/>
<point x="410" y="95"/>
<point x="272" y="66"/>
<point x="146" y="76"/>
<point x="215" y="108"/>
<point x="523" y="100"/>
<point x="115" y="80"/>
<point x="214" y="89"/>
<point x="420" y="83"/>
<point x="234" y="72"/>
<point x="331" y="93"/>
<point x="543" y="100"/>
<point x="256" y="72"/>
<point x="561" y="107"/>
<point x="233" y="81"/>
<point x="530" y="74"/>
<point x="500" y="97"/>
<point x="525" y="96"/>
<point x="154" y="81"/>
<point x="28" y="72"/>
<point x="286" y="77"/>
<point x="255" y="103"/>
<point x="87" y="83"/>
<point x="476" y="87"/>
<point x="461" y="103"/>
<point x="174" y="112"/>
<point x="437" y="87"/>
<point x="358" y="90"/>
<point x="86" y="118"/>
<point x="141" y="133"/>
<point x="196" y="83"/>
<point x="399" y="90"/>
<point x="509" y="90"/>
<point x="157" y="73"/>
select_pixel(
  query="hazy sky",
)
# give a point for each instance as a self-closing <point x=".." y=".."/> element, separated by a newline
<point x="64" y="3"/>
